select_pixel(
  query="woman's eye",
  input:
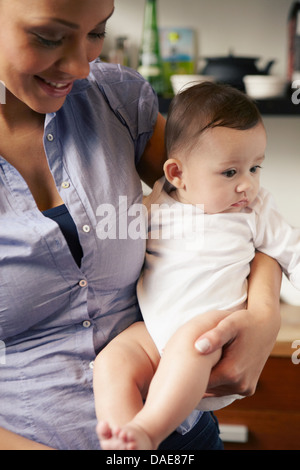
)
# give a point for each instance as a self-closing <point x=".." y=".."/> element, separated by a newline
<point x="52" y="43"/>
<point x="97" y="36"/>
<point x="48" y="42"/>
<point x="229" y="173"/>
<point x="255" y="168"/>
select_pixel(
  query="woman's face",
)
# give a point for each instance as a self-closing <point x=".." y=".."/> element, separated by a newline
<point x="45" y="45"/>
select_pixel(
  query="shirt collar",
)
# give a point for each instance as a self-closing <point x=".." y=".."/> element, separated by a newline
<point x="78" y="87"/>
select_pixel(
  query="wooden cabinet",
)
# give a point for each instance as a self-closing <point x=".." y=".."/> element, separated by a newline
<point x="272" y="416"/>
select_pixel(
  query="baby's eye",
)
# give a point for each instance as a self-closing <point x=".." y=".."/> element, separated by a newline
<point x="255" y="168"/>
<point x="229" y="173"/>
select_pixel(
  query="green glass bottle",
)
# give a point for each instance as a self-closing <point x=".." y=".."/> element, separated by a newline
<point x="150" y="66"/>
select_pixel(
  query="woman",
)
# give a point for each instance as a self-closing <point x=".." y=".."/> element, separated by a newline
<point x="69" y="145"/>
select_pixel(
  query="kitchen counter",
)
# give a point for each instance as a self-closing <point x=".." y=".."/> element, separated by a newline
<point x="270" y="419"/>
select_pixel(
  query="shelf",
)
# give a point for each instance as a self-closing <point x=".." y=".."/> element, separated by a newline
<point x="282" y="106"/>
<point x="274" y="107"/>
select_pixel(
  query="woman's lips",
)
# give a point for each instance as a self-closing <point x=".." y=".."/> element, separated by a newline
<point x="54" y="89"/>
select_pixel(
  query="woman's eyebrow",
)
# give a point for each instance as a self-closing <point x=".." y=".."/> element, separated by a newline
<point x="65" y="23"/>
<point x="71" y="25"/>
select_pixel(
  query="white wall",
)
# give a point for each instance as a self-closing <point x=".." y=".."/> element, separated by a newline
<point x="257" y="28"/>
<point x="281" y="168"/>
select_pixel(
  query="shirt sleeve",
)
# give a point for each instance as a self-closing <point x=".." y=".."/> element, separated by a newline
<point x="131" y="98"/>
<point x="276" y="238"/>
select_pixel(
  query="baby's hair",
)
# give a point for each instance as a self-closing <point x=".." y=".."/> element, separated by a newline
<point x="205" y="106"/>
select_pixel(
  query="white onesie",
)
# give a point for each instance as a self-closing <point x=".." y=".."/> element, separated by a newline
<point x="197" y="262"/>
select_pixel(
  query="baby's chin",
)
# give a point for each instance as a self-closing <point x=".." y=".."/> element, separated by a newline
<point x="230" y="210"/>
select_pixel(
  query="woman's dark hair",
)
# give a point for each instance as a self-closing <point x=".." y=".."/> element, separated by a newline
<point x="204" y="106"/>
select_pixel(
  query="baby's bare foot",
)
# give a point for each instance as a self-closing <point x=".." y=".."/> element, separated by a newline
<point x="136" y="437"/>
<point x="104" y="431"/>
<point x="108" y="436"/>
<point x="130" y="437"/>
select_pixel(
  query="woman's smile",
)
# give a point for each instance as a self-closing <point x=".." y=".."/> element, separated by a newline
<point x="54" y="89"/>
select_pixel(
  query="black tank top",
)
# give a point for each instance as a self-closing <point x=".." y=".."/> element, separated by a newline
<point x="63" y="218"/>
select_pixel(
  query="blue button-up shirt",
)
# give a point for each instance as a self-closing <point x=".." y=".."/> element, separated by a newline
<point x="55" y="316"/>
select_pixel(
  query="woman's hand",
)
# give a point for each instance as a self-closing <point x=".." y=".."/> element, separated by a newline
<point x="246" y="336"/>
<point x="247" y="343"/>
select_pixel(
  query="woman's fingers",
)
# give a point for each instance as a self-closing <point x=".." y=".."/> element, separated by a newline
<point x="217" y="337"/>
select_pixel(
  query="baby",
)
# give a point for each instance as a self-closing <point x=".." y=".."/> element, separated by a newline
<point x="216" y="215"/>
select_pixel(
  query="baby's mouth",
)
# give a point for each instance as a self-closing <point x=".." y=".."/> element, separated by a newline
<point x="242" y="202"/>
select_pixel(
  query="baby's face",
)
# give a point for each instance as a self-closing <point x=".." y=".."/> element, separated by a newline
<point x="223" y="170"/>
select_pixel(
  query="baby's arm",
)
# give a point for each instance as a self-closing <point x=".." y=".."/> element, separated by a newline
<point x="277" y="238"/>
<point x="248" y="336"/>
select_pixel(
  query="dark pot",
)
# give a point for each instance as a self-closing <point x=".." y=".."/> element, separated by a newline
<point x="231" y="69"/>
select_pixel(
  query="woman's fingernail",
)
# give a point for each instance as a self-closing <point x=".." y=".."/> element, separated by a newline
<point x="203" y="345"/>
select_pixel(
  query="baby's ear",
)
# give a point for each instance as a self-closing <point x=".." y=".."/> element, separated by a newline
<point x="174" y="172"/>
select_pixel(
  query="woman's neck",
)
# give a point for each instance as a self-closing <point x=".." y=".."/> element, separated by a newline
<point x="16" y="116"/>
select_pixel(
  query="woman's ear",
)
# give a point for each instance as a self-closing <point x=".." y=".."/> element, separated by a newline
<point x="174" y="172"/>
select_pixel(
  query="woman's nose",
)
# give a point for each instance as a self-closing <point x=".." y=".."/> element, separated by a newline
<point x="74" y="62"/>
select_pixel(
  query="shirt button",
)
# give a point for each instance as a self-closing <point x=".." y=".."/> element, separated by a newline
<point x="65" y="185"/>
<point x="50" y="137"/>
<point x="83" y="283"/>
<point x="86" y="324"/>
<point x="86" y="228"/>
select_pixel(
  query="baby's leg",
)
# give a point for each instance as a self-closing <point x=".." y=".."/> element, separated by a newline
<point x="178" y="384"/>
<point x="122" y="374"/>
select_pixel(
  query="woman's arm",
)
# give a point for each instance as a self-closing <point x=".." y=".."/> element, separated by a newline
<point x="150" y="167"/>
<point x="247" y="336"/>
<point x="11" y="441"/>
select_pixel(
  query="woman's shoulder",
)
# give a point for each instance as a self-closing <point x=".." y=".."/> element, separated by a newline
<point x="128" y="94"/>
<point x="111" y="74"/>
<point x="115" y="80"/>
<point x="119" y="85"/>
